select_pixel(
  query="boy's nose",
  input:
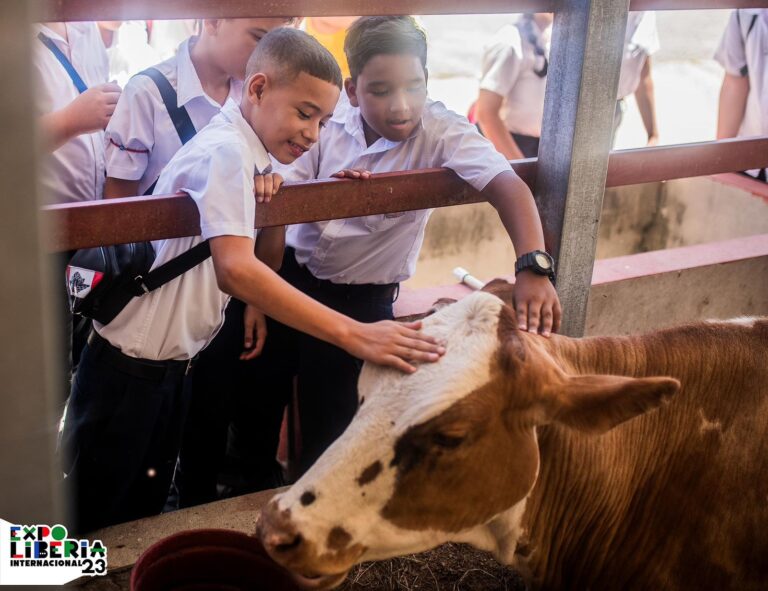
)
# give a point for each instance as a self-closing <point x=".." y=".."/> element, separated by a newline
<point x="312" y="133"/>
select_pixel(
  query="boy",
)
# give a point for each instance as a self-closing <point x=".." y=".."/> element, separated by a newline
<point x="355" y="265"/>
<point x="129" y="397"/>
<point x="142" y="137"/>
<point x="743" y="53"/>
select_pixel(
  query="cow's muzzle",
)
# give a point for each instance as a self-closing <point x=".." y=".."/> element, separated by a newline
<point x="286" y="545"/>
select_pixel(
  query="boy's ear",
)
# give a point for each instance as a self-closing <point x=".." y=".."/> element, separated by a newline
<point x="351" y="88"/>
<point x="256" y="84"/>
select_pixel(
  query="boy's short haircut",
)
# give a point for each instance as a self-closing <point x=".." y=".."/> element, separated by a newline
<point x="287" y="52"/>
<point x="370" y="36"/>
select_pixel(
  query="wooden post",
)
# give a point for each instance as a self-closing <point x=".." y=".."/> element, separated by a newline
<point x="29" y="482"/>
<point x="579" y="107"/>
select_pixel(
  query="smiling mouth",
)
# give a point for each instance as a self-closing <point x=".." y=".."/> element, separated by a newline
<point x="318" y="582"/>
<point x="296" y="149"/>
<point x="401" y="123"/>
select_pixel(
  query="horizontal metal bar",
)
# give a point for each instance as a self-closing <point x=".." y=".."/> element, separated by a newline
<point x="91" y="10"/>
<point x="116" y="221"/>
<point x="646" y="165"/>
<point x="75" y="10"/>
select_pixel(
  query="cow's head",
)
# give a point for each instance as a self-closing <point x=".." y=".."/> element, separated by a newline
<point x="448" y="453"/>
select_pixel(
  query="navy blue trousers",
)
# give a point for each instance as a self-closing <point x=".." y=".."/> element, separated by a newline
<point x="120" y="440"/>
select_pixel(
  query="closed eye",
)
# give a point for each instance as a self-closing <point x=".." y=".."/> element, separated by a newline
<point x="303" y="115"/>
<point x="447" y="441"/>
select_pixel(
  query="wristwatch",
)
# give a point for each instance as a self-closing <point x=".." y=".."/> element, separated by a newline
<point x="538" y="261"/>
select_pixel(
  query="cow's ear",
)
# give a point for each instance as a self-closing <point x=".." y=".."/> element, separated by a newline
<point x="597" y="403"/>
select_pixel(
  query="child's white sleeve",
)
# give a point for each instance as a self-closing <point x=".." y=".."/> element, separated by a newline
<point x="471" y="156"/>
<point x="731" y="53"/>
<point x="130" y="134"/>
<point x="501" y="66"/>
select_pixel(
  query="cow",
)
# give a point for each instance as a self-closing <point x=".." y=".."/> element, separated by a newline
<point x="600" y="463"/>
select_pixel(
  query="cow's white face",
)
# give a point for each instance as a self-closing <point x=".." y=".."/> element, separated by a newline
<point x="381" y="489"/>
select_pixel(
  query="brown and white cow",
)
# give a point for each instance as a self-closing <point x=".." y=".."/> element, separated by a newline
<point x="523" y="446"/>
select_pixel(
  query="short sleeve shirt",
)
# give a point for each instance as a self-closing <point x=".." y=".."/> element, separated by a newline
<point x="640" y="42"/>
<point x="216" y="169"/>
<point x="141" y="137"/>
<point x="743" y="50"/>
<point x="383" y="249"/>
<point x="509" y="69"/>
<point x="75" y="171"/>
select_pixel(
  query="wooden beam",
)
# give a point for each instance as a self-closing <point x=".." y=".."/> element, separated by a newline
<point x="80" y="10"/>
<point x="82" y="225"/>
<point x="29" y="481"/>
<point x="579" y="107"/>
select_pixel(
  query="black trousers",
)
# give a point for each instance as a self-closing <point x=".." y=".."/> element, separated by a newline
<point x="326" y="377"/>
<point x="121" y="437"/>
<point x="528" y="144"/>
<point x="220" y="379"/>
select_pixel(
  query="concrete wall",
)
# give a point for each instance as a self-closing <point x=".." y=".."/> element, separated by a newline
<point x="635" y="218"/>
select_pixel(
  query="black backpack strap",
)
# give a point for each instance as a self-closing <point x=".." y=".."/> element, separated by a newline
<point x="172" y="269"/>
<point x="179" y="115"/>
<point x="744" y="71"/>
<point x="181" y="121"/>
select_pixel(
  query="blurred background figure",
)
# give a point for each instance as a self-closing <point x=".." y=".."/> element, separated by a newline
<point x="510" y="104"/>
<point x="743" y="52"/>
<point x="641" y="42"/>
<point x="166" y="36"/>
<point x="331" y="31"/>
<point x="128" y="48"/>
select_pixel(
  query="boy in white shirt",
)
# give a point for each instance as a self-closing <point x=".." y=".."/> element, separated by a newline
<point x="743" y="52"/>
<point x="355" y="265"/>
<point x="126" y="412"/>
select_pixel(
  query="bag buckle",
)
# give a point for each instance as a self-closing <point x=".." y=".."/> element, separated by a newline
<point x="139" y="282"/>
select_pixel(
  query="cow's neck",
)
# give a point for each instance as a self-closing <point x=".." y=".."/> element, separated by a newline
<point x="590" y="500"/>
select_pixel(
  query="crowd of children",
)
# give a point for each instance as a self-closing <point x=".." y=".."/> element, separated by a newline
<point x="205" y="365"/>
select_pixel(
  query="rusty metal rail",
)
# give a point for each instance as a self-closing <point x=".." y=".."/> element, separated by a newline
<point x="132" y="219"/>
<point x="77" y="10"/>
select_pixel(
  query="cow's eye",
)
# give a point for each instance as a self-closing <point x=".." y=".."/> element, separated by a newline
<point x="447" y="441"/>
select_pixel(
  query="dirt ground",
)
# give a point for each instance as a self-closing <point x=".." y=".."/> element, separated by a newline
<point x="451" y="567"/>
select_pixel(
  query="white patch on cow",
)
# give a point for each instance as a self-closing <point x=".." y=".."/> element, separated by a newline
<point x="394" y="402"/>
<point x="707" y="426"/>
<point x="748" y="321"/>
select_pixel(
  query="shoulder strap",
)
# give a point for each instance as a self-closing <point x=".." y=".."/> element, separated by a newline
<point x="744" y="36"/>
<point x="173" y="268"/>
<point x="181" y="121"/>
<point x="64" y="61"/>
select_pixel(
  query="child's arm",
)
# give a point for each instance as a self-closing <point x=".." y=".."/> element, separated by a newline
<point x="90" y="111"/>
<point x="114" y="188"/>
<point x="536" y="302"/>
<point x="243" y="276"/>
<point x="488" y="109"/>
<point x="646" y="103"/>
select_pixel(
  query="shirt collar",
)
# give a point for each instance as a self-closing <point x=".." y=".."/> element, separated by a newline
<point x="348" y="116"/>
<point x="188" y="84"/>
<point x="231" y="111"/>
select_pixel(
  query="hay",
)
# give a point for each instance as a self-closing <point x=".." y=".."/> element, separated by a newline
<point x="451" y="567"/>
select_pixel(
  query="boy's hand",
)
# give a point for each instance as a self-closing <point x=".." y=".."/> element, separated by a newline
<point x="93" y="109"/>
<point x="266" y="185"/>
<point x="255" y="324"/>
<point x="353" y="173"/>
<point x="536" y="303"/>
<point x="396" y="344"/>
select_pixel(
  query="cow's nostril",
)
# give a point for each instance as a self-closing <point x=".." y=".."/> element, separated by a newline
<point x="288" y="545"/>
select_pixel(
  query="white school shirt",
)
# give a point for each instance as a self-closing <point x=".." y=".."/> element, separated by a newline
<point x="383" y="248"/>
<point x="216" y="169"/>
<point x="739" y="49"/>
<point x="508" y="69"/>
<point x="641" y="41"/>
<point x="75" y="171"/>
<point x="141" y="121"/>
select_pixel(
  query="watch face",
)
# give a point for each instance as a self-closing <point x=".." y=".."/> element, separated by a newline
<point x="543" y="261"/>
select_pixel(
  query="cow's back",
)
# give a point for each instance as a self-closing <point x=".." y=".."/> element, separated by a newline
<point x="676" y="499"/>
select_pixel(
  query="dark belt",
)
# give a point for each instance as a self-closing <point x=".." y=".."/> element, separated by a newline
<point x="148" y="369"/>
<point x="388" y="291"/>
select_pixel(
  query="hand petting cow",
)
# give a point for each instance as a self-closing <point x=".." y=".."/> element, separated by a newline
<point x="524" y="446"/>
